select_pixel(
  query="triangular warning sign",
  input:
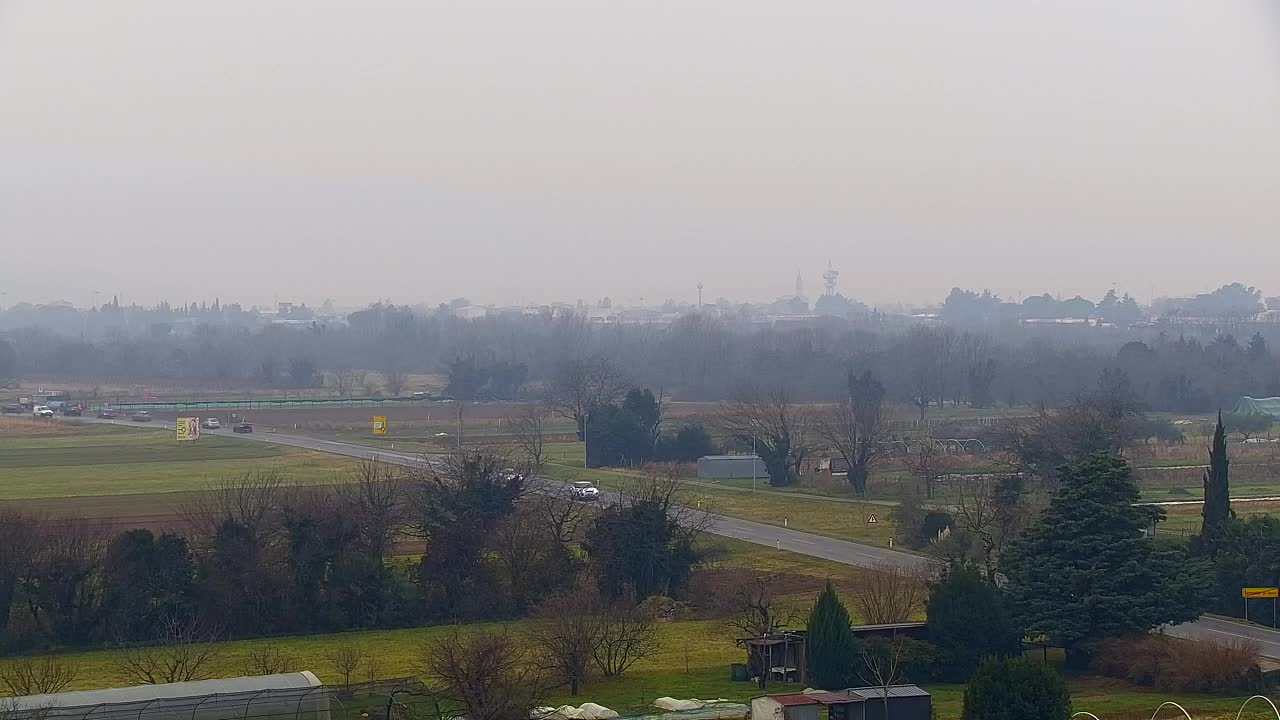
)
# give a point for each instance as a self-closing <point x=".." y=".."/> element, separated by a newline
<point x="871" y="520"/>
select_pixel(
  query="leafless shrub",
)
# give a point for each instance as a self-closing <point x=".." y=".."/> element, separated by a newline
<point x="37" y="676"/>
<point x="890" y="594"/>
<point x="378" y="501"/>
<point x="269" y="659"/>
<point x="346" y="660"/>
<point x="755" y="609"/>
<point x="186" y="651"/>
<point x="483" y="676"/>
<point x="250" y="500"/>
<point x="1176" y="665"/>
<point x="627" y="634"/>
<point x="567" y="631"/>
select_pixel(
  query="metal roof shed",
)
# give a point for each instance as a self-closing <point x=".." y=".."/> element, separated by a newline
<point x="728" y="467"/>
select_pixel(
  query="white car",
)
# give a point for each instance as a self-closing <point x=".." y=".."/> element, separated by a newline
<point x="211" y="424"/>
<point x="584" y="490"/>
<point x="41" y="411"/>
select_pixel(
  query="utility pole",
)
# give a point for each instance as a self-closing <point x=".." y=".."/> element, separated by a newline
<point x="753" y="464"/>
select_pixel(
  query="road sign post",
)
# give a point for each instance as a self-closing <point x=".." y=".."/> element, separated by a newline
<point x="1260" y="592"/>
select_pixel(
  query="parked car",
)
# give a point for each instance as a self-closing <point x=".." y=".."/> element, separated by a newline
<point x="243" y="427"/>
<point x="141" y="417"/>
<point x="584" y="490"/>
<point x="420" y="395"/>
<point x="41" y="411"/>
<point x="13" y="409"/>
<point x="211" y="424"/>
<point x="107" y="414"/>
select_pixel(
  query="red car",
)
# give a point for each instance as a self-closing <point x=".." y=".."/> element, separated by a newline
<point x="107" y="414"/>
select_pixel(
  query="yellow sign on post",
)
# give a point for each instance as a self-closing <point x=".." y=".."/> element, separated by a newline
<point x="1260" y="592"/>
<point x="379" y="424"/>
<point x="187" y="428"/>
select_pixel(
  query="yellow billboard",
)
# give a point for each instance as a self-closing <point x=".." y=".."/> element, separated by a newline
<point x="1260" y="592"/>
<point x="379" y="424"/>
<point x="188" y="428"/>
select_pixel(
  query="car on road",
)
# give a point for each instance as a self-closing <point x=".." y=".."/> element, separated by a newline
<point x="420" y="395"/>
<point x="41" y="411"/>
<point x="13" y="409"/>
<point x="585" y="490"/>
<point x="73" y="411"/>
<point x="141" y="417"/>
<point x="107" y="414"/>
<point x="211" y="424"/>
<point x="243" y="427"/>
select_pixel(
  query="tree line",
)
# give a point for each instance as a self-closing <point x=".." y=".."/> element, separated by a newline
<point x="923" y="363"/>
<point x="259" y="556"/>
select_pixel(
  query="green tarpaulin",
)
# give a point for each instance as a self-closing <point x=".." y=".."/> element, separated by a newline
<point x="1258" y="406"/>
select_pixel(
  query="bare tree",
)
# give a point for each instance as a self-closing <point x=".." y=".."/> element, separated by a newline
<point x="567" y="630"/>
<point x="883" y="661"/>
<point x="580" y="384"/>
<point x="37" y="676"/>
<point x="394" y="378"/>
<point x="344" y="380"/>
<point x="856" y="428"/>
<point x="628" y="633"/>
<point x="775" y="426"/>
<point x="347" y="658"/>
<point x="268" y="659"/>
<point x="890" y="593"/>
<point x="924" y="459"/>
<point x="560" y="512"/>
<point x="372" y="668"/>
<point x="251" y="501"/>
<point x="185" y="652"/>
<point x="755" y="609"/>
<point x="528" y="427"/>
<point x="377" y="499"/>
<point x="483" y="676"/>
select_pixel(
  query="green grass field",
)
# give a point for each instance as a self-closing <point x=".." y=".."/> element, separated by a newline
<point x="85" y="460"/>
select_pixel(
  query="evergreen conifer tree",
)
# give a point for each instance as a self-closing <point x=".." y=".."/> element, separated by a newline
<point x="830" y="649"/>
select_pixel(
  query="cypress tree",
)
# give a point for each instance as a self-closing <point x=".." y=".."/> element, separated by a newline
<point x="830" y="648"/>
<point x="1217" y="494"/>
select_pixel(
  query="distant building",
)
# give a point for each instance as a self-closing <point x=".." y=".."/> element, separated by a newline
<point x="470" y="312"/>
<point x="729" y="467"/>
<point x="905" y="702"/>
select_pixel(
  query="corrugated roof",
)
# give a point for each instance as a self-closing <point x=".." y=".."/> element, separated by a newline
<point x="842" y="697"/>
<point x="891" y="626"/>
<point x="874" y="693"/>
<point x="729" y="457"/>
<point x="793" y="699"/>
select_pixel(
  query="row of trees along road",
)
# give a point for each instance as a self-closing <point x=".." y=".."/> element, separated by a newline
<point x="265" y="557"/>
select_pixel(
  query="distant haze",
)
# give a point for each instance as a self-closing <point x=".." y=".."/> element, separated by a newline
<point x="554" y="150"/>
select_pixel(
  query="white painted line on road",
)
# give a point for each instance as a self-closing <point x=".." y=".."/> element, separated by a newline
<point x="806" y="542"/>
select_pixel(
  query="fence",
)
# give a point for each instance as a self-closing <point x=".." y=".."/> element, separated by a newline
<point x="264" y="403"/>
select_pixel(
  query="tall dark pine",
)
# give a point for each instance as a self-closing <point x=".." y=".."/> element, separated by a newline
<point x="830" y="648"/>
<point x="1217" y="493"/>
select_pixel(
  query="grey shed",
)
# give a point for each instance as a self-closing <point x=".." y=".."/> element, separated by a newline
<point x="729" y="467"/>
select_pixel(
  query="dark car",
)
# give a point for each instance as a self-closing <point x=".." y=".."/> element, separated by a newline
<point x="107" y="414"/>
<point x="141" y="417"/>
<point x="73" y="411"/>
<point x="13" y="409"/>
<point x="243" y="427"/>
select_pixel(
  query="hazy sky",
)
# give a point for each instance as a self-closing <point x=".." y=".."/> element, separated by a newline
<point x="557" y="149"/>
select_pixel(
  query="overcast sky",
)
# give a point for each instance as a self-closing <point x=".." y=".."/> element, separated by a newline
<point x="561" y="149"/>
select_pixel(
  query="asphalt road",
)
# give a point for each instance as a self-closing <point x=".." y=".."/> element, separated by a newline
<point x="841" y="551"/>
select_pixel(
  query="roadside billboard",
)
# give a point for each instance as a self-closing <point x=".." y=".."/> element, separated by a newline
<point x="188" y="428"/>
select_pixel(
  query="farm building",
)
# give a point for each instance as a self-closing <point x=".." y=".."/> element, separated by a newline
<point x="729" y="467"/>
<point x="297" y="696"/>
<point x="906" y="702"/>
<point x="781" y="655"/>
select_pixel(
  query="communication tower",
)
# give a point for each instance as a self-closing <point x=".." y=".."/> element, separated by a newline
<point x="829" y="279"/>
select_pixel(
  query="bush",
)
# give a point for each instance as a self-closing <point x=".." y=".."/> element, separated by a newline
<point x="1174" y="665"/>
<point x="968" y="621"/>
<point x="1016" y="689"/>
